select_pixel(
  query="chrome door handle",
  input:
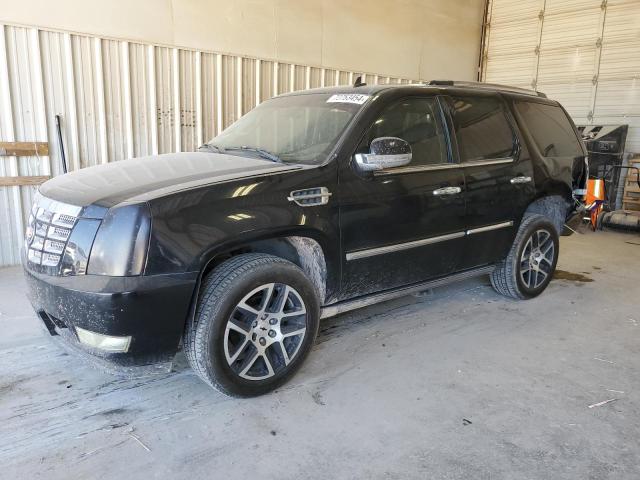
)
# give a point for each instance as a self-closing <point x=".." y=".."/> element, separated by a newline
<point x="521" y="180"/>
<point x="447" y="191"/>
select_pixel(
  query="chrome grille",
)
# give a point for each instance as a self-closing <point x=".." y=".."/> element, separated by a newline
<point x="44" y="215"/>
<point x="50" y="225"/>
<point x="58" y="233"/>
<point x="35" y="256"/>
<point x="41" y="228"/>
<point x="50" y="260"/>
<point x="63" y="220"/>
<point x="37" y="243"/>
<point x="52" y="246"/>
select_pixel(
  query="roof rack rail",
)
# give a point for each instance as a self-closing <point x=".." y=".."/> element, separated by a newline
<point x="486" y="86"/>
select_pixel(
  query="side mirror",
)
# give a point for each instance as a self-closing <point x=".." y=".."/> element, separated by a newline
<point x="384" y="152"/>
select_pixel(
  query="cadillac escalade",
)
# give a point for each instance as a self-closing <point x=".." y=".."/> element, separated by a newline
<point x="312" y="204"/>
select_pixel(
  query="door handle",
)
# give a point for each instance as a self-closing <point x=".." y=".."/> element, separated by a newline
<point x="521" y="180"/>
<point x="447" y="191"/>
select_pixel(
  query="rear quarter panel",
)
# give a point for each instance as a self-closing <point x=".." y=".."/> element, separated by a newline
<point x="552" y="175"/>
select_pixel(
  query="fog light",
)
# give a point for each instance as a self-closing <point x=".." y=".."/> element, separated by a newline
<point x="103" y="342"/>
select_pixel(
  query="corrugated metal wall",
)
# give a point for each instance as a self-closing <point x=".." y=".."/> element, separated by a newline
<point x="121" y="99"/>
<point x="584" y="53"/>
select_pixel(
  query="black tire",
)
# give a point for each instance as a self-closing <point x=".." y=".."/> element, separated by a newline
<point x="208" y="337"/>
<point x="508" y="278"/>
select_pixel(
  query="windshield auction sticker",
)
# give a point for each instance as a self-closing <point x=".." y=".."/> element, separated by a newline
<point x="356" y="98"/>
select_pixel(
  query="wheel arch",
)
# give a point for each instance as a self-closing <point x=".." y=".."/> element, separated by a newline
<point x="552" y="204"/>
<point x="307" y="250"/>
<point x="303" y="251"/>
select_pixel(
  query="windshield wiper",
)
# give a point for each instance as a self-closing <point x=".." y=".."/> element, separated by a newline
<point x="213" y="148"/>
<point x="263" y="153"/>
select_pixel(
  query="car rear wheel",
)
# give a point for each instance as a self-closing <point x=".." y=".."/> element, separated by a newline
<point x="531" y="262"/>
<point x="255" y="322"/>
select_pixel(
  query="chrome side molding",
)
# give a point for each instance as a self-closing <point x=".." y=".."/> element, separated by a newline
<point x="370" y="252"/>
<point x="523" y="179"/>
<point x="447" y="191"/>
<point x="443" y="166"/>
<point x="482" y="163"/>
<point x="488" y="228"/>
<point x="401" y="246"/>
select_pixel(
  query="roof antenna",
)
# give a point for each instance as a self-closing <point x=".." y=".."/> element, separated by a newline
<point x="359" y="82"/>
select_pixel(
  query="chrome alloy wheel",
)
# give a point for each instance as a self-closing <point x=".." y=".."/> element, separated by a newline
<point x="537" y="259"/>
<point x="265" y="331"/>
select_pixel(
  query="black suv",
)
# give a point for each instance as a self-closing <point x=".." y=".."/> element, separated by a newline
<point x="312" y="204"/>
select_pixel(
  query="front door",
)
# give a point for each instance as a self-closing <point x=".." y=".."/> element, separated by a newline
<point x="498" y="175"/>
<point x="402" y="225"/>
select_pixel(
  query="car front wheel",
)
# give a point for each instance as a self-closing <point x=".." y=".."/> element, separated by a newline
<point x="255" y="322"/>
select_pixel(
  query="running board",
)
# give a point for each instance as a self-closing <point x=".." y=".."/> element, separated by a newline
<point x="348" y="305"/>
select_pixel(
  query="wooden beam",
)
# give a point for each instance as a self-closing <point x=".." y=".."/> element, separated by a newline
<point x="23" y="149"/>
<point x="22" y="181"/>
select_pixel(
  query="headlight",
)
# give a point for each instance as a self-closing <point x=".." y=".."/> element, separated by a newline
<point x="76" y="253"/>
<point x="120" y="247"/>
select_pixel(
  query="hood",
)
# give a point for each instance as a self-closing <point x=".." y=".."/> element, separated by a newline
<point x="148" y="177"/>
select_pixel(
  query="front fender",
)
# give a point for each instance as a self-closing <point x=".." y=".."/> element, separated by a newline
<point x="190" y="228"/>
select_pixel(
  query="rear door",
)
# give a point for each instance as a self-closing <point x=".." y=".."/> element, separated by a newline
<point x="498" y="174"/>
<point x="402" y="225"/>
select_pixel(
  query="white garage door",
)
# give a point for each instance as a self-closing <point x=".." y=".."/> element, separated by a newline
<point x="584" y="53"/>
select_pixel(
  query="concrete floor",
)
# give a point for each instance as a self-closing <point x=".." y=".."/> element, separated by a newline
<point x="461" y="383"/>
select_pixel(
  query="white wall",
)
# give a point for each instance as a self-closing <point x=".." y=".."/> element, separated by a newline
<point x="138" y="77"/>
<point x="417" y="39"/>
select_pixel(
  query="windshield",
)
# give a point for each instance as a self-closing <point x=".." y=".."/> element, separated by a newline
<point x="294" y="129"/>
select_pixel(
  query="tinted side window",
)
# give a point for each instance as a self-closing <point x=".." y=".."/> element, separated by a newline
<point x="482" y="129"/>
<point x="417" y="121"/>
<point x="550" y="128"/>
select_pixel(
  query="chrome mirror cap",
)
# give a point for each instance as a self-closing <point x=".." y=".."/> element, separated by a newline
<point x="384" y="153"/>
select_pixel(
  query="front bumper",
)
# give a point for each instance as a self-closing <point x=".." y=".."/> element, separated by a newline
<point x="152" y="310"/>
